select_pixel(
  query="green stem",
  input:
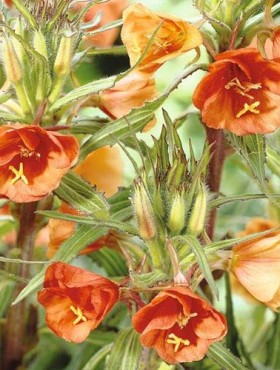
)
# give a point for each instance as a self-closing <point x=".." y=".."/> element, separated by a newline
<point x="15" y="329"/>
<point x="216" y="139"/>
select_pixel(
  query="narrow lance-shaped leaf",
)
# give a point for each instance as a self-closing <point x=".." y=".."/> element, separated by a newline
<point x="201" y="258"/>
<point x="224" y="358"/>
<point x="78" y="193"/>
<point x="126" y="351"/>
<point x="121" y="128"/>
<point x="97" y="358"/>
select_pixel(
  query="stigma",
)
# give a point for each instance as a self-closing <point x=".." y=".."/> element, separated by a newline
<point x="249" y="108"/>
<point x="19" y="174"/>
<point x="243" y="88"/>
<point x="177" y="341"/>
<point x="79" y="313"/>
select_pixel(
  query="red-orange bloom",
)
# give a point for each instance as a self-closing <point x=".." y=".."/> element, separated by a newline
<point x="179" y="325"/>
<point x="76" y="300"/>
<point x="33" y="161"/>
<point x="100" y="15"/>
<point x="241" y="93"/>
<point x="130" y="92"/>
<point x="256" y="264"/>
<point x="173" y="38"/>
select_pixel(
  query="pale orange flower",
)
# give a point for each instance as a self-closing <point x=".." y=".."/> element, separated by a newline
<point x="256" y="264"/>
<point x="130" y="92"/>
<point x="173" y="38"/>
<point x="104" y="13"/>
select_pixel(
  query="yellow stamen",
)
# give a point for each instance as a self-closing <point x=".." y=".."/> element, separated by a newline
<point x="173" y="339"/>
<point x="80" y="316"/>
<point x="183" y="320"/>
<point x="18" y="174"/>
<point x="25" y="152"/>
<point x="242" y="89"/>
<point x="249" y="108"/>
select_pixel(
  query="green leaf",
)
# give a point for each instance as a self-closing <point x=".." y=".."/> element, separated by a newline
<point x="106" y="27"/>
<point x="88" y="220"/>
<point x="126" y="351"/>
<point x="121" y="128"/>
<point x="112" y="261"/>
<point x="253" y="150"/>
<point x="7" y="287"/>
<point x="215" y="203"/>
<point x="67" y="251"/>
<point x="273" y="160"/>
<point x="223" y="357"/>
<point x="273" y="345"/>
<point x="201" y="258"/>
<point x="97" y="357"/>
<point x="84" y="91"/>
<point x="78" y="193"/>
<point x="26" y="13"/>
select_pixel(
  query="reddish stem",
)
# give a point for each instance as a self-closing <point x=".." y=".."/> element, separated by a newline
<point x="15" y="329"/>
<point x="217" y="151"/>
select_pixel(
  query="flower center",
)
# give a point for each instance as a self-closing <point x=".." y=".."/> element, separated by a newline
<point x="24" y="152"/>
<point x="177" y="341"/>
<point x="79" y="313"/>
<point x="183" y="320"/>
<point x="19" y="175"/>
<point x="243" y="88"/>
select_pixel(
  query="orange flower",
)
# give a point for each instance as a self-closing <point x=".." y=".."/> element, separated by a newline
<point x="256" y="264"/>
<point x="179" y="325"/>
<point x="241" y="93"/>
<point x="173" y="38"/>
<point x="33" y="161"/>
<point x="8" y="3"/>
<point x="130" y="92"/>
<point x="75" y="300"/>
<point x="103" y="13"/>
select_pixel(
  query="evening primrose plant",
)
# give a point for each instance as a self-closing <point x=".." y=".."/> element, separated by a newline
<point x="107" y="276"/>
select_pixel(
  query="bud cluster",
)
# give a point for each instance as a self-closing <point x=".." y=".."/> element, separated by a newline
<point x="38" y="45"/>
<point x="173" y="201"/>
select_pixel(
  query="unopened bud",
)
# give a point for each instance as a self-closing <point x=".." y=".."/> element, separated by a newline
<point x="177" y="216"/>
<point x="11" y="62"/>
<point x="176" y="174"/>
<point x="198" y="212"/>
<point x="62" y="62"/>
<point x="144" y="213"/>
<point x="39" y="43"/>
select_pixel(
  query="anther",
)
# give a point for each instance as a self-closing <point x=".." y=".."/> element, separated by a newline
<point x="249" y="108"/>
<point x="19" y="175"/>
<point x="173" y="339"/>
<point x="183" y="320"/>
<point x="79" y="313"/>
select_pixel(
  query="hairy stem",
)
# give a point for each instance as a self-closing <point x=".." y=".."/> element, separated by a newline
<point x="15" y="333"/>
<point x="216" y="139"/>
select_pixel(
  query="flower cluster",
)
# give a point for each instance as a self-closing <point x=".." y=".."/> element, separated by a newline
<point x="177" y="323"/>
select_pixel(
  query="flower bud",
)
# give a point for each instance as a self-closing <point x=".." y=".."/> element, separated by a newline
<point x="198" y="212"/>
<point x="177" y="216"/>
<point x="144" y="213"/>
<point x="11" y="62"/>
<point x="39" y="43"/>
<point x="63" y="58"/>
